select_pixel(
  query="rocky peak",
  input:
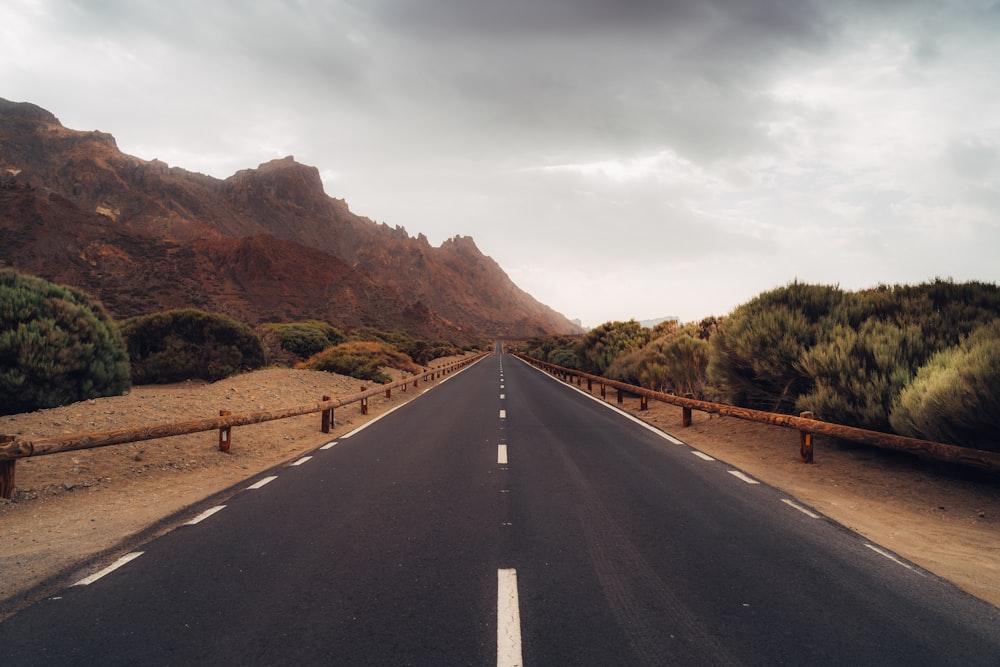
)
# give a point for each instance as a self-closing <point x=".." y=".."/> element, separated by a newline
<point x="277" y="181"/>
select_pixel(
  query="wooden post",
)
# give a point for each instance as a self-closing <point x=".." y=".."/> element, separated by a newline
<point x="388" y="391"/>
<point x="806" y="441"/>
<point x="643" y="402"/>
<point x="621" y="398"/>
<point x="364" y="402"/>
<point x="324" y="420"/>
<point x="590" y="384"/>
<point x="686" y="413"/>
<point x="604" y="393"/>
<point x="225" y="433"/>
<point x="579" y="380"/>
<point x="7" y="473"/>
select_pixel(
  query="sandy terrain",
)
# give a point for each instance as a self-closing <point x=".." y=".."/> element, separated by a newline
<point x="74" y="508"/>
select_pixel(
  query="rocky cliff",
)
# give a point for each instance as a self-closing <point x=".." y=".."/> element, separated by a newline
<point x="265" y="244"/>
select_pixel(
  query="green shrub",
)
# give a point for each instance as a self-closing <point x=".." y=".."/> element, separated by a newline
<point x="57" y="346"/>
<point x="676" y="361"/>
<point x="754" y="357"/>
<point x="857" y="373"/>
<point x="189" y="344"/>
<point x="300" y="339"/>
<point x="363" y="360"/>
<point x="420" y="351"/>
<point x="599" y="348"/>
<point x="955" y="397"/>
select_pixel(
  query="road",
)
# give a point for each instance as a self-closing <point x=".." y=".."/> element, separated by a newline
<point x="506" y="518"/>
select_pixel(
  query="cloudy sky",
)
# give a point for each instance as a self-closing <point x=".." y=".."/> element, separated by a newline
<point x="618" y="158"/>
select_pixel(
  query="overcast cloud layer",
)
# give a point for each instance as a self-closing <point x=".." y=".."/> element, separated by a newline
<point x="618" y="158"/>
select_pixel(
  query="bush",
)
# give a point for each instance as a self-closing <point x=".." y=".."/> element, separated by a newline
<point x="362" y="360"/>
<point x="57" y="346"/>
<point x="955" y="397"/>
<point x="189" y="344"/>
<point x="755" y="354"/>
<point x="420" y="351"/>
<point x="676" y="361"/>
<point x="300" y="339"/>
<point x="602" y="345"/>
<point x="857" y="373"/>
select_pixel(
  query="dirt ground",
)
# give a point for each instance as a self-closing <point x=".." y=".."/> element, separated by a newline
<point x="72" y="508"/>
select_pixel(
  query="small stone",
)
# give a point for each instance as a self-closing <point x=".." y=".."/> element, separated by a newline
<point x="69" y="486"/>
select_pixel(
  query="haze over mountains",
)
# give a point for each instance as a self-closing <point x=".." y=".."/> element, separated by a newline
<point x="265" y="244"/>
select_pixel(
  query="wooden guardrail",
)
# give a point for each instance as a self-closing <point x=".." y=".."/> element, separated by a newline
<point x="12" y="449"/>
<point x="804" y="424"/>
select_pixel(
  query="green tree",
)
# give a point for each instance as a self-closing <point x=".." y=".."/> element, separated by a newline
<point x="57" y="346"/>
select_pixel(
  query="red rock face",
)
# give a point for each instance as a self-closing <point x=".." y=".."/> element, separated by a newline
<point x="265" y="244"/>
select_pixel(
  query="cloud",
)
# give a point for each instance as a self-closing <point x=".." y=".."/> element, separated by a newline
<point x="740" y="143"/>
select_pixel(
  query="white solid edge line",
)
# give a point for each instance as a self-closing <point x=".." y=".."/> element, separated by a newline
<point x="886" y="554"/>
<point x="86" y="581"/>
<point x="302" y="460"/>
<point x="502" y="454"/>
<point x="809" y="513"/>
<point x="601" y="401"/>
<point x="204" y="515"/>
<point x="266" y="480"/>
<point x="329" y="445"/>
<point x="743" y="476"/>
<point x="508" y="620"/>
<point x="372" y="421"/>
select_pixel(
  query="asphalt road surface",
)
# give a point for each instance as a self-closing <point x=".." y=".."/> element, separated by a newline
<point x="505" y="518"/>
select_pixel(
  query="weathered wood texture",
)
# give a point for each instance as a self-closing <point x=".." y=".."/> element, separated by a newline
<point x="15" y="449"/>
<point x="966" y="456"/>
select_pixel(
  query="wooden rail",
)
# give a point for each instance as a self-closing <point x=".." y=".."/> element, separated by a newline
<point x="966" y="456"/>
<point x="12" y="449"/>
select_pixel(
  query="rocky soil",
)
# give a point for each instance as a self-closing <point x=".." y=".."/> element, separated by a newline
<point x="72" y="508"/>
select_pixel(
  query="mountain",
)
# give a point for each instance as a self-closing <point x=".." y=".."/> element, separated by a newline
<point x="265" y="244"/>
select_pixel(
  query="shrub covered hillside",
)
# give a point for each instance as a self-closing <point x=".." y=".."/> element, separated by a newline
<point x="921" y="360"/>
<point x="57" y="346"/>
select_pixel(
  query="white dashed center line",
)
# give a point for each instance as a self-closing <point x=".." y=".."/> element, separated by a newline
<point x="702" y="455"/>
<point x="503" y="414"/>
<point x="508" y="620"/>
<point x="502" y="454"/>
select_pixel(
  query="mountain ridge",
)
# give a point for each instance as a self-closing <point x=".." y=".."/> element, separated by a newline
<point x="264" y="244"/>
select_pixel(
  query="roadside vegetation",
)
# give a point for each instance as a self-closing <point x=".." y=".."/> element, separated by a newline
<point x="920" y="360"/>
<point x="59" y="346"/>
